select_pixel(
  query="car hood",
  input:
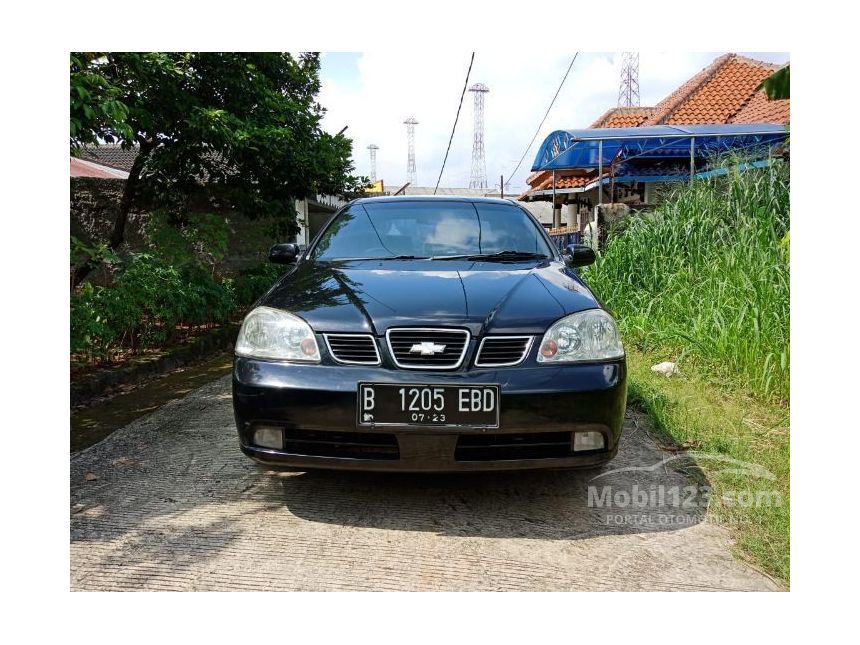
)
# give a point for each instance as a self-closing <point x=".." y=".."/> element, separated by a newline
<point x="372" y="295"/>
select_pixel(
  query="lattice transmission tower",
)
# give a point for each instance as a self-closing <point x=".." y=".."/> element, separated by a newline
<point x="411" y="174"/>
<point x="628" y="90"/>
<point x="373" y="148"/>
<point x="479" y="161"/>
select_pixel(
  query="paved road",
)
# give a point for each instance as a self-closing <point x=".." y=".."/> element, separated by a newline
<point x="176" y="506"/>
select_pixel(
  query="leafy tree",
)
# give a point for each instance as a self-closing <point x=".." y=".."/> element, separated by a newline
<point x="95" y="111"/>
<point x="777" y="85"/>
<point x="246" y="125"/>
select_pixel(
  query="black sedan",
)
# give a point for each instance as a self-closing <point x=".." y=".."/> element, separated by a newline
<point x="430" y="334"/>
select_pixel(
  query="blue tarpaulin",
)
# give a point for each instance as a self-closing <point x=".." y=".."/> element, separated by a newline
<point x="569" y="149"/>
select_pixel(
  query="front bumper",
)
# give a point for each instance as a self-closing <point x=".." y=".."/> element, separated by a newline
<point x="539" y="407"/>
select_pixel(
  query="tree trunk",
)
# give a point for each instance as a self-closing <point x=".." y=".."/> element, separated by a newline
<point x="128" y="195"/>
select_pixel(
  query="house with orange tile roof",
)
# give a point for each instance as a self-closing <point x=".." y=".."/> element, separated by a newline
<point x="725" y="93"/>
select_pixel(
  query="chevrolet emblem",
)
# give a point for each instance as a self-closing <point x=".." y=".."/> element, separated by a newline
<point x="427" y="349"/>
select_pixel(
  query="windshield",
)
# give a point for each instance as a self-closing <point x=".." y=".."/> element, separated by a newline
<point x="430" y="230"/>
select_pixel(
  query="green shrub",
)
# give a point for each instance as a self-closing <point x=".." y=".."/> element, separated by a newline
<point x="152" y="300"/>
<point x="91" y="332"/>
<point x="203" y="299"/>
<point x="253" y="283"/>
<point x="144" y="306"/>
<point x="705" y="275"/>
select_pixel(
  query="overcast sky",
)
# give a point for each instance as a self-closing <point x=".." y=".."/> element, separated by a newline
<point x="374" y="92"/>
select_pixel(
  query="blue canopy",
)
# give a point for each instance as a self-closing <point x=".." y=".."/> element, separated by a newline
<point x="567" y="149"/>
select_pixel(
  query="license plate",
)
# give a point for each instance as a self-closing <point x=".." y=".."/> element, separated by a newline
<point x="388" y="404"/>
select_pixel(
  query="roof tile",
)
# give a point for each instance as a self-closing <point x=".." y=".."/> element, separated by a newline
<point x="716" y="94"/>
<point x="760" y="109"/>
<point x="623" y="117"/>
<point x="563" y="179"/>
<point x="111" y="155"/>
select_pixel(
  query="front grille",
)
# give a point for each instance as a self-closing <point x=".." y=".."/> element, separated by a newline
<point x="355" y="349"/>
<point x="448" y="347"/>
<point x="350" y="445"/>
<point x="500" y="351"/>
<point x="493" y="447"/>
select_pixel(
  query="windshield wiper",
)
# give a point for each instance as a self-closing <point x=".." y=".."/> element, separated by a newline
<point x="501" y="256"/>
<point x="387" y="257"/>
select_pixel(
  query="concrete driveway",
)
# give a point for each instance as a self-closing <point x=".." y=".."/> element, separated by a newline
<point x="169" y="503"/>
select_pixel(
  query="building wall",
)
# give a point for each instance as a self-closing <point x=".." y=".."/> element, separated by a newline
<point x="94" y="204"/>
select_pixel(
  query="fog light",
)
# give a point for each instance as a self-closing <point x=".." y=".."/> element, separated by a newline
<point x="583" y="441"/>
<point x="269" y="437"/>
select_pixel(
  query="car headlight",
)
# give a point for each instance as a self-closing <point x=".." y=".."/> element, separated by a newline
<point x="272" y="333"/>
<point x="584" y="336"/>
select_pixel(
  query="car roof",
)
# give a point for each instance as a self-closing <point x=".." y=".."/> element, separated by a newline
<point x="434" y="198"/>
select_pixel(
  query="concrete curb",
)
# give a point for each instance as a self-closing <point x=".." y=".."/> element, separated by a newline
<point x="102" y="381"/>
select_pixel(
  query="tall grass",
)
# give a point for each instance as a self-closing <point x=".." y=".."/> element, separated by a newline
<point x="706" y="276"/>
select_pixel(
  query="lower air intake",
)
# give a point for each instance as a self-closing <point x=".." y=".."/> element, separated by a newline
<point x="349" y="445"/>
<point x="495" y="447"/>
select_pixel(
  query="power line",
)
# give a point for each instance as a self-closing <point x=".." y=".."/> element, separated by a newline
<point x="456" y="118"/>
<point x="560" y="85"/>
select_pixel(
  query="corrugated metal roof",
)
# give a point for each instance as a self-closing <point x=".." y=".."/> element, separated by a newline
<point x="587" y="149"/>
<point x="84" y="168"/>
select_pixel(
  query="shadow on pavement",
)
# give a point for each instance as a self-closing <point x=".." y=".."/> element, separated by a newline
<point x="627" y="495"/>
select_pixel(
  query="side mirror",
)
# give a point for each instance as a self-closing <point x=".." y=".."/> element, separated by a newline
<point x="283" y="253"/>
<point x="579" y="255"/>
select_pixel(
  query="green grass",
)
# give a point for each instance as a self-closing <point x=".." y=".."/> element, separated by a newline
<point x="703" y="280"/>
<point x="690" y="412"/>
<point x="707" y="275"/>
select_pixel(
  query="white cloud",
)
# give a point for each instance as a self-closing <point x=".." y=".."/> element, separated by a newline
<point x="394" y="85"/>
